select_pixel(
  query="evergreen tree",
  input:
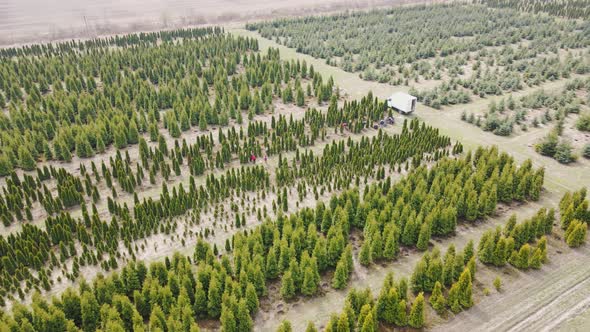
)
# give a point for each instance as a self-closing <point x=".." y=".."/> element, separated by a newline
<point x="368" y="323"/>
<point x="340" y="278"/>
<point x="83" y="148"/>
<point x="402" y="318"/>
<point x="465" y="289"/>
<point x="228" y="320"/>
<point x="309" y="286"/>
<point x="454" y="298"/>
<point x="243" y="319"/>
<point x="424" y="237"/>
<point x="272" y="268"/>
<point x="89" y="311"/>
<point x="300" y="97"/>
<point x="133" y="135"/>
<point x="536" y="259"/>
<point x="214" y="298"/>
<point x="200" y="302"/>
<point x="576" y="233"/>
<point x="285" y="327"/>
<point x="27" y="162"/>
<point x="120" y="137"/>
<point x="437" y="300"/>
<point x="365" y="257"/>
<point x="287" y="286"/>
<point x="252" y="298"/>
<point x="417" y="313"/>
<point x="5" y="165"/>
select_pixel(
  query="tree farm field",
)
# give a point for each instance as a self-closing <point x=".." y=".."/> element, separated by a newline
<point x="557" y="181"/>
<point x="240" y="170"/>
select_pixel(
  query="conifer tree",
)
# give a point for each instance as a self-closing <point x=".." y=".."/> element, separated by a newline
<point x="252" y="298"/>
<point x="536" y="259"/>
<point x="133" y="135"/>
<point x="309" y="286"/>
<point x="214" y="298"/>
<point x="576" y="233"/>
<point x="285" y="327"/>
<point x="27" y="162"/>
<point x="243" y="319"/>
<point x="228" y="320"/>
<point x="365" y="257"/>
<point x="423" y="237"/>
<point x="200" y="303"/>
<point x="417" y="313"/>
<point x="340" y="278"/>
<point x="272" y="269"/>
<point x="465" y="289"/>
<point x="287" y="286"/>
<point x="89" y="311"/>
<point x="402" y="317"/>
<point x="343" y="325"/>
<point x="437" y="300"/>
<point x="454" y="298"/>
<point x="6" y="166"/>
<point x="368" y="323"/>
<point x="498" y="284"/>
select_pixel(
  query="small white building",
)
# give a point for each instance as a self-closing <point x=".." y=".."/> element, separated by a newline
<point x="402" y="102"/>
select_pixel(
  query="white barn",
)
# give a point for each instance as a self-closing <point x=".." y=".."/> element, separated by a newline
<point x="402" y="102"/>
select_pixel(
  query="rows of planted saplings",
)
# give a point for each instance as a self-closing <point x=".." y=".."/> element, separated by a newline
<point x="466" y="59"/>
<point x="44" y="250"/>
<point x="522" y="245"/>
<point x="90" y="95"/>
<point x="220" y="285"/>
<point x="430" y="202"/>
<point x="391" y="308"/>
<point x="297" y="249"/>
<point x="158" y="160"/>
<point x="491" y="81"/>
<point x="502" y="117"/>
<point x="382" y="150"/>
<point x="349" y="160"/>
<point x="345" y="35"/>
<point x="564" y="8"/>
<point x="445" y="282"/>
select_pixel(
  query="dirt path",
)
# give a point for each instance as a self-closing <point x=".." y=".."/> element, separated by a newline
<point x="534" y="301"/>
